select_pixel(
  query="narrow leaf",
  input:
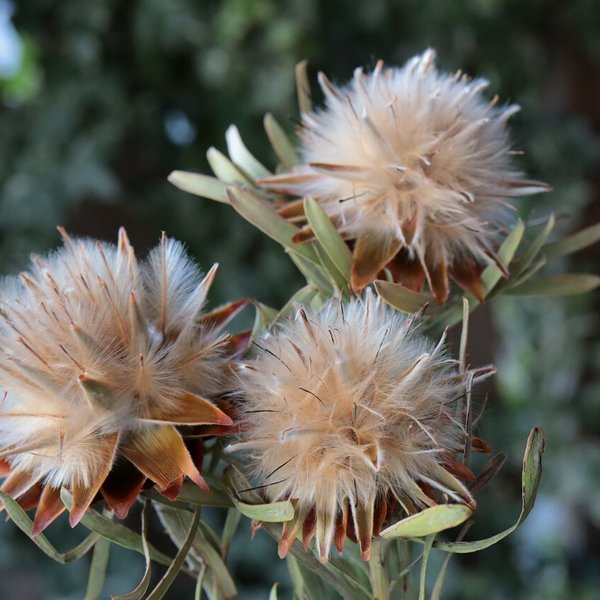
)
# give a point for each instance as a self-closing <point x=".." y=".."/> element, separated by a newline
<point x="572" y="243"/>
<point x="530" y="479"/>
<point x="169" y="577"/>
<point x="491" y="274"/>
<point x="139" y="592"/>
<point x="242" y="157"/>
<point x="97" y="575"/>
<point x="232" y="520"/>
<point x="303" y="87"/>
<point x="254" y="210"/>
<point x="280" y="142"/>
<point x="522" y="262"/>
<point x="424" y="563"/>
<point x="401" y="298"/>
<point x="200" y="185"/>
<point x="329" y="238"/>
<point x="115" y="532"/>
<point x="273" y="512"/>
<point x="21" y="519"/>
<point x="569" y="284"/>
<point x="428" y="521"/>
<point x="273" y="593"/>
<point x="224" y="169"/>
<point x="313" y="274"/>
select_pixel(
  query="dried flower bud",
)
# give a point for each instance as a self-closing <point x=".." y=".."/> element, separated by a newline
<point x="102" y="358"/>
<point x="352" y="415"/>
<point x="413" y="167"/>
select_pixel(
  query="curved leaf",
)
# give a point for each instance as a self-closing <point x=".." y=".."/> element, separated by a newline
<point x="572" y="243"/>
<point x="400" y="297"/>
<point x="200" y="185"/>
<point x="429" y="521"/>
<point x="569" y="284"/>
<point x="328" y="237"/>
<point x="279" y="141"/>
<point x="491" y="274"/>
<point x="242" y="157"/>
<point x="224" y="169"/>
<point x="530" y="480"/>
<point x="273" y="512"/>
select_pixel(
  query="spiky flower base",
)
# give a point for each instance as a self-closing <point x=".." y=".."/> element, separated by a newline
<point x="351" y="414"/>
<point x="102" y="360"/>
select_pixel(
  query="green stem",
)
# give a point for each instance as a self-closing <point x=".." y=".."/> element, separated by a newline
<point x="379" y="581"/>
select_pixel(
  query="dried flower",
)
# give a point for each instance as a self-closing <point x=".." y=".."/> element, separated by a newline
<point x="102" y="358"/>
<point x="351" y="414"/>
<point x="413" y="166"/>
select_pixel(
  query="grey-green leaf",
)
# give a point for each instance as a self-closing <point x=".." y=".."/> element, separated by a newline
<point x="273" y="512"/>
<point x="115" y="532"/>
<point x="224" y="169"/>
<point x="400" y="297"/>
<point x="568" y="284"/>
<point x="21" y="519"/>
<point x="280" y="142"/>
<point x="254" y="210"/>
<point x="530" y="480"/>
<point x="200" y="185"/>
<point x="429" y="521"/>
<point x="329" y="238"/>
<point x="572" y="243"/>
<point x="491" y="274"/>
<point x="242" y="157"/>
<point x="97" y="575"/>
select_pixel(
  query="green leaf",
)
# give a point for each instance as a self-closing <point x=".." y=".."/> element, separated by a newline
<point x="522" y="262"/>
<point x="303" y="297"/>
<point x="329" y="238"/>
<point x="201" y="185"/>
<point x="169" y="577"/>
<point x="273" y="593"/>
<point x="21" y="519"/>
<point x="464" y="335"/>
<point x="424" y="563"/>
<point x="303" y="87"/>
<point x="568" y="284"/>
<point x="224" y="169"/>
<point x="115" y="532"/>
<point x="242" y="157"/>
<point x="428" y="521"/>
<point x="491" y="274"/>
<point x="530" y="480"/>
<point x="177" y="522"/>
<point x="140" y="590"/>
<point x="265" y="315"/>
<point x="97" y="575"/>
<point x="400" y="297"/>
<point x="273" y="512"/>
<point x="262" y="216"/>
<point x="313" y="274"/>
<point x="280" y="142"/>
<point x="232" y="520"/>
<point x="333" y="274"/>
<point x="572" y="243"/>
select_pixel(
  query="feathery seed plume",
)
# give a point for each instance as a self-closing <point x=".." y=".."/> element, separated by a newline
<point x="413" y="166"/>
<point x="352" y="415"/>
<point x="102" y="359"/>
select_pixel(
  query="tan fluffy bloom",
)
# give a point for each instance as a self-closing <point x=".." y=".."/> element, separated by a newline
<point x="414" y="167"/>
<point x="102" y="358"/>
<point x="351" y="414"/>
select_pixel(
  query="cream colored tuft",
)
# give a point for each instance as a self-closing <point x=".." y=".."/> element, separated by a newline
<point x="94" y="344"/>
<point x="351" y="406"/>
<point x="414" y="150"/>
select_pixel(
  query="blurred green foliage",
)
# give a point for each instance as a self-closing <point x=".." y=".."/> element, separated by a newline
<point x="112" y="95"/>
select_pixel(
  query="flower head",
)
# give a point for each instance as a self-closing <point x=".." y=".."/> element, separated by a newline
<point x="413" y="166"/>
<point x="351" y="414"/>
<point x="102" y="359"/>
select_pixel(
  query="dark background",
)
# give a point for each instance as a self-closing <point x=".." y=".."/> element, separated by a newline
<point x="102" y="100"/>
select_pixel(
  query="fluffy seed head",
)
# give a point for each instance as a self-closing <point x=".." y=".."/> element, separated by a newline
<point x="414" y="163"/>
<point x="351" y="414"/>
<point x="102" y="357"/>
